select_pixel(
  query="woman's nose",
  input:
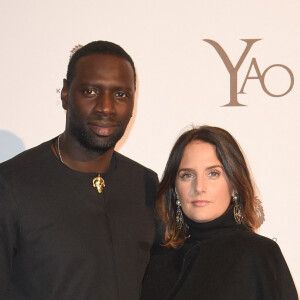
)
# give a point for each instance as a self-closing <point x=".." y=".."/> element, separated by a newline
<point x="200" y="184"/>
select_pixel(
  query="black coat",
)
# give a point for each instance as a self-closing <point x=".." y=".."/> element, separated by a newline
<point x="220" y="261"/>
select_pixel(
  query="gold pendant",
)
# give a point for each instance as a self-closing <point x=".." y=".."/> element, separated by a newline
<point x="98" y="183"/>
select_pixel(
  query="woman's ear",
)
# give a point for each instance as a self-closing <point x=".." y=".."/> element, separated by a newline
<point x="175" y="191"/>
<point x="234" y="192"/>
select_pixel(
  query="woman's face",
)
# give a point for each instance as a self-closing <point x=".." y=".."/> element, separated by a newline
<point x="201" y="183"/>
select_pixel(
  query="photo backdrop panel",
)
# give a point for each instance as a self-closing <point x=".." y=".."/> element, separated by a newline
<point x="192" y="58"/>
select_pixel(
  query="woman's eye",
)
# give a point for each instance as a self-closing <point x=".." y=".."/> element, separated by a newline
<point x="214" y="174"/>
<point x="186" y="175"/>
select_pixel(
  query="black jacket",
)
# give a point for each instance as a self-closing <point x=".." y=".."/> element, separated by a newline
<point x="220" y="261"/>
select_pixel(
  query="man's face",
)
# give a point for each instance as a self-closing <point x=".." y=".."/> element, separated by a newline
<point x="99" y="101"/>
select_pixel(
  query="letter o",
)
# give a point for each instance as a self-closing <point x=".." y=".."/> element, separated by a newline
<point x="291" y="76"/>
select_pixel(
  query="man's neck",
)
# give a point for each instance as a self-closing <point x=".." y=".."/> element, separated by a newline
<point x="78" y="158"/>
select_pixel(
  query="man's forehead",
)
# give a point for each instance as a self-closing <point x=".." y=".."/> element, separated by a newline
<point x="95" y="67"/>
<point x="103" y="59"/>
<point x="103" y="62"/>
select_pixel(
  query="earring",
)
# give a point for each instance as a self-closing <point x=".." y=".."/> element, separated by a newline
<point x="179" y="216"/>
<point x="237" y="210"/>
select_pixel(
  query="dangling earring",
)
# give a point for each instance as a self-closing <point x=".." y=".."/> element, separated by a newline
<point x="179" y="216"/>
<point x="237" y="210"/>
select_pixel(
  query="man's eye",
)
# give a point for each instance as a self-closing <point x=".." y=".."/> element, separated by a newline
<point x="121" y="95"/>
<point x="89" y="92"/>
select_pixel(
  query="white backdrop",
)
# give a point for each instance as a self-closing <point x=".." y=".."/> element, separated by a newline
<point x="182" y="81"/>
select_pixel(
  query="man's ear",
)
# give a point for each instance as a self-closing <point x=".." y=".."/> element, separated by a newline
<point x="64" y="95"/>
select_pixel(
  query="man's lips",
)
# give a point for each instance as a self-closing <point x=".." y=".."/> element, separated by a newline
<point x="200" y="203"/>
<point x="103" y="128"/>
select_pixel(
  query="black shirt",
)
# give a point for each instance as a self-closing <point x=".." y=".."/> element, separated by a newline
<point x="60" y="239"/>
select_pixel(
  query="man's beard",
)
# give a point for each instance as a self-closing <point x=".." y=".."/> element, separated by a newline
<point x="89" y="139"/>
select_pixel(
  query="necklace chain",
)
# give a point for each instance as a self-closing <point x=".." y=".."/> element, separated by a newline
<point x="58" y="149"/>
<point x="98" y="182"/>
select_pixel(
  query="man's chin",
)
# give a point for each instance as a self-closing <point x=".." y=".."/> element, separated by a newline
<point x="106" y="144"/>
<point x="94" y="142"/>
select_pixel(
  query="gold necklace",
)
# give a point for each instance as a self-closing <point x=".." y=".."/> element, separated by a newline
<point x="98" y="182"/>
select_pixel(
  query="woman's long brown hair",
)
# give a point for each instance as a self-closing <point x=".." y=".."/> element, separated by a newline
<point x="235" y="166"/>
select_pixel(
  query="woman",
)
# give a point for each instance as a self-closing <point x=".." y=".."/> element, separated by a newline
<point x="207" y="203"/>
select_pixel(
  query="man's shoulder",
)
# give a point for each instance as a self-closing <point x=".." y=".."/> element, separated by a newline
<point x="128" y="162"/>
<point x="26" y="159"/>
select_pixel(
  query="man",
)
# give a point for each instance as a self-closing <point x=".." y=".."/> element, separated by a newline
<point x="76" y="218"/>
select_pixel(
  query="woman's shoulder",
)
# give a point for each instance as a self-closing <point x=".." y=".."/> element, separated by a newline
<point x="162" y="256"/>
<point x="263" y="255"/>
<point x="256" y="246"/>
<point x="162" y="252"/>
<point x="255" y="240"/>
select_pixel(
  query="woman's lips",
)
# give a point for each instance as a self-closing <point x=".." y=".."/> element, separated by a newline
<point x="200" y="203"/>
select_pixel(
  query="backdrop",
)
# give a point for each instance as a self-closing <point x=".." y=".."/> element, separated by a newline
<point x="233" y="64"/>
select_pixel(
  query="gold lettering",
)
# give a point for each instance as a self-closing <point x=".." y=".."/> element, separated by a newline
<point x="231" y="69"/>
<point x="259" y="76"/>
<point x="291" y="76"/>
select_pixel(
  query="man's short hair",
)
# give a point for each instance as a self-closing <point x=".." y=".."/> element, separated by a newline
<point x="97" y="47"/>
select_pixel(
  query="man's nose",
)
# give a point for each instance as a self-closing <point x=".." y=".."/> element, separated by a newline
<point x="105" y="103"/>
